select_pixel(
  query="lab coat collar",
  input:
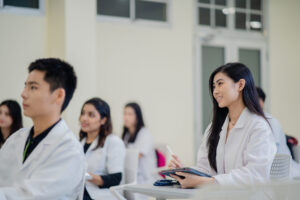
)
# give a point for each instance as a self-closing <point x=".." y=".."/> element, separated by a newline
<point x="53" y="137"/>
<point x="92" y="146"/>
<point x="240" y="122"/>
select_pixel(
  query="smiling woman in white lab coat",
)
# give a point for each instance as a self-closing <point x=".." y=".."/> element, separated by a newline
<point x="105" y="152"/>
<point x="238" y="146"/>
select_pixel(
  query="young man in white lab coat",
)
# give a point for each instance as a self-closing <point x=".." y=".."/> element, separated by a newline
<point x="45" y="161"/>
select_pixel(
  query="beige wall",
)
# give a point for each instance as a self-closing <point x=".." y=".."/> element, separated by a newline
<point x="22" y="39"/>
<point x="152" y="65"/>
<point x="284" y="50"/>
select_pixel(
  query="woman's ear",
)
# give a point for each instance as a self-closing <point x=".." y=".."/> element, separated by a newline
<point x="241" y="84"/>
<point x="103" y="120"/>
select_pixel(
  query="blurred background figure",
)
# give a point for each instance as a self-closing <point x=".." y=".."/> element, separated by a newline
<point x="136" y="136"/>
<point x="10" y="119"/>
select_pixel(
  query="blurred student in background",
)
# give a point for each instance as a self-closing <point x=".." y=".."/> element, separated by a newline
<point x="279" y="135"/>
<point x="137" y="136"/>
<point x="105" y="152"/>
<point x="10" y="119"/>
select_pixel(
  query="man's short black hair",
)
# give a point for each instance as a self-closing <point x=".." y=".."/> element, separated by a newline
<point x="59" y="74"/>
<point x="261" y="93"/>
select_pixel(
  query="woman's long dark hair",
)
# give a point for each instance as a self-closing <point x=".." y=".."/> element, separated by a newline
<point x="139" y="121"/>
<point x="103" y="109"/>
<point x="15" y="113"/>
<point x="235" y="71"/>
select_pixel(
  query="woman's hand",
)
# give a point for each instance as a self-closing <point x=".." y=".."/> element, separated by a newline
<point x="96" y="179"/>
<point x="191" y="180"/>
<point x="175" y="163"/>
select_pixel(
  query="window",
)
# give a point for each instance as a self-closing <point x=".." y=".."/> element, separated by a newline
<point x="153" y="10"/>
<point x="22" y="3"/>
<point x="244" y="15"/>
<point x="210" y="13"/>
<point x="22" y="6"/>
<point x="248" y="15"/>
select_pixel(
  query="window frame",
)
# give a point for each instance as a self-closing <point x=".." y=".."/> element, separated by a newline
<point x="23" y="10"/>
<point x="230" y="29"/>
<point x="132" y="19"/>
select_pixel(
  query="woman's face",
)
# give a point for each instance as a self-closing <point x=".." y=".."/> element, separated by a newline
<point x="5" y="118"/>
<point x="129" y="117"/>
<point x="225" y="90"/>
<point x="90" y="119"/>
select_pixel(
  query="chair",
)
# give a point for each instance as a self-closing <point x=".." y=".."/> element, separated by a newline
<point x="130" y="175"/>
<point x="296" y="151"/>
<point x="280" y="169"/>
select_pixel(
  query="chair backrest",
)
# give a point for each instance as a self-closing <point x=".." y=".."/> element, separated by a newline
<point x="130" y="170"/>
<point x="131" y="166"/>
<point x="280" y="169"/>
<point x="296" y="151"/>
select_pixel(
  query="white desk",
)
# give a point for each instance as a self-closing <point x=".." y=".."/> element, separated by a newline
<point x="161" y="192"/>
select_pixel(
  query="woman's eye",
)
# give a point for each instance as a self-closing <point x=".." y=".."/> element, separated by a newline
<point x="33" y="87"/>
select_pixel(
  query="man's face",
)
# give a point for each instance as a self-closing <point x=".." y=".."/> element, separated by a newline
<point x="38" y="100"/>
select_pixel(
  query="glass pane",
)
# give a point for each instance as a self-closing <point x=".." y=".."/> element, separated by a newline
<point x="255" y="22"/>
<point x="240" y="20"/>
<point x="255" y="4"/>
<point x="251" y="58"/>
<point x="220" y="19"/>
<point x="151" y="10"/>
<point x="118" y="8"/>
<point x="240" y="3"/>
<point x="204" y="1"/>
<point x="22" y="3"/>
<point x="204" y="16"/>
<point x="212" y="58"/>
<point x="221" y="2"/>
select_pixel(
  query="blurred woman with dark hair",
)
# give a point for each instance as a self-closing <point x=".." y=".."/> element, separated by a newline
<point x="136" y="136"/>
<point x="105" y="152"/>
<point x="10" y="119"/>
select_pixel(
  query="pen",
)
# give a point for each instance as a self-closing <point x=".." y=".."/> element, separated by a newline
<point x="170" y="150"/>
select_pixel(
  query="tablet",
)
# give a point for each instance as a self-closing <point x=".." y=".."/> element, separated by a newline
<point x="189" y="170"/>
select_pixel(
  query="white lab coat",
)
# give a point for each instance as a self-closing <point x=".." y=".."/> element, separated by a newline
<point x="103" y="161"/>
<point x="247" y="156"/>
<point x="281" y="145"/>
<point x="54" y="170"/>
<point x="147" y="164"/>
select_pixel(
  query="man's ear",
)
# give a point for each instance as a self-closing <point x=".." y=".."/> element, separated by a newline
<point x="241" y="84"/>
<point x="60" y="96"/>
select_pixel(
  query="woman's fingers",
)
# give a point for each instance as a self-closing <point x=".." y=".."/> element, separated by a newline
<point x="177" y="161"/>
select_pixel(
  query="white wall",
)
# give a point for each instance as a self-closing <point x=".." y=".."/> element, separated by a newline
<point x="152" y="65"/>
<point x="22" y="40"/>
<point x="284" y="63"/>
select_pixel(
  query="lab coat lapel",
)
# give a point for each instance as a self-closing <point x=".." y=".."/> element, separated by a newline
<point x="92" y="146"/>
<point x="20" y="145"/>
<point x="44" y="148"/>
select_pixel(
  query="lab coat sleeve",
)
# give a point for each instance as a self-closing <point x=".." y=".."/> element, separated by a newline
<point x="115" y="155"/>
<point x="257" y="157"/>
<point x="63" y="171"/>
<point x="144" y="142"/>
<point x="202" y="157"/>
